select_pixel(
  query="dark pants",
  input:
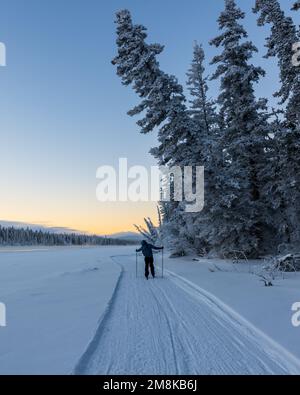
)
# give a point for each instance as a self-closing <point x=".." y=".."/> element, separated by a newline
<point x="149" y="261"/>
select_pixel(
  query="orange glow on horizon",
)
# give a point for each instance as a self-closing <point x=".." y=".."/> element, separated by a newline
<point x="105" y="219"/>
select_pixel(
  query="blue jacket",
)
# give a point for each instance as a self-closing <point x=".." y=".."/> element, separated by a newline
<point x="147" y="248"/>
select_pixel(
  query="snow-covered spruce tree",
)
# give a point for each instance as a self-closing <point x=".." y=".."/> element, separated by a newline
<point x="203" y="109"/>
<point x="280" y="44"/>
<point x="296" y="5"/>
<point x="286" y="187"/>
<point x="197" y="229"/>
<point x="205" y="123"/>
<point x="238" y="216"/>
<point x="151" y="233"/>
<point x="162" y="99"/>
<point x="162" y="102"/>
<point x="283" y="187"/>
<point x="175" y="231"/>
<point x="273" y="189"/>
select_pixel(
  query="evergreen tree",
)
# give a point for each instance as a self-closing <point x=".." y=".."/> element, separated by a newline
<point x="10" y="236"/>
<point x="280" y="43"/>
<point x="202" y="110"/>
<point x="205" y="123"/>
<point x="162" y="102"/>
<point x="150" y="232"/>
<point x="239" y="220"/>
<point x="283" y="186"/>
<point x="162" y="98"/>
<point x="296" y="5"/>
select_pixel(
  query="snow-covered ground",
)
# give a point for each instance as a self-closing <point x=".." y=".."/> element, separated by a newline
<point x="269" y="309"/>
<point x="82" y="311"/>
<point x="54" y="300"/>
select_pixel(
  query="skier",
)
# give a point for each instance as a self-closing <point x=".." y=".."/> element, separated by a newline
<point x="146" y="249"/>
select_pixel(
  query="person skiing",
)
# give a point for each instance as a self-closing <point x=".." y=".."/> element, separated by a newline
<point x="146" y="249"/>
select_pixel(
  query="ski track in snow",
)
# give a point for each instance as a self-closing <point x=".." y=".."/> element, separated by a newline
<point x="169" y="327"/>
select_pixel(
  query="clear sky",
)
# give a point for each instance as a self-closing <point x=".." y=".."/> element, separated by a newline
<point x="63" y="109"/>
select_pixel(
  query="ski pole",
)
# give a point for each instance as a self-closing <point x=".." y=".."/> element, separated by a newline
<point x="136" y="264"/>
<point x="162" y="262"/>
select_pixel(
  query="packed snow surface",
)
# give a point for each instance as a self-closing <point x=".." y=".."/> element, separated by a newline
<point x="169" y="326"/>
<point x="84" y="311"/>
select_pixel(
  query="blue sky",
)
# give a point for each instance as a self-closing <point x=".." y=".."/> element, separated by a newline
<point x="63" y="109"/>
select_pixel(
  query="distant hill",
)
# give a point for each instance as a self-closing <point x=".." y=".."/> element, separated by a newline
<point x="130" y="236"/>
<point x="24" y="236"/>
<point x="37" y="227"/>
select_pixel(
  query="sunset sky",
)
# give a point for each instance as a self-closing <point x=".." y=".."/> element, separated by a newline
<point x="63" y="109"/>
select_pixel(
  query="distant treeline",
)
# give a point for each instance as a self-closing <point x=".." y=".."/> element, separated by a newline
<point x="10" y="236"/>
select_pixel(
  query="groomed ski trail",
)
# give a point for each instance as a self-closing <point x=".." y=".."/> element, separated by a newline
<point x="168" y="327"/>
